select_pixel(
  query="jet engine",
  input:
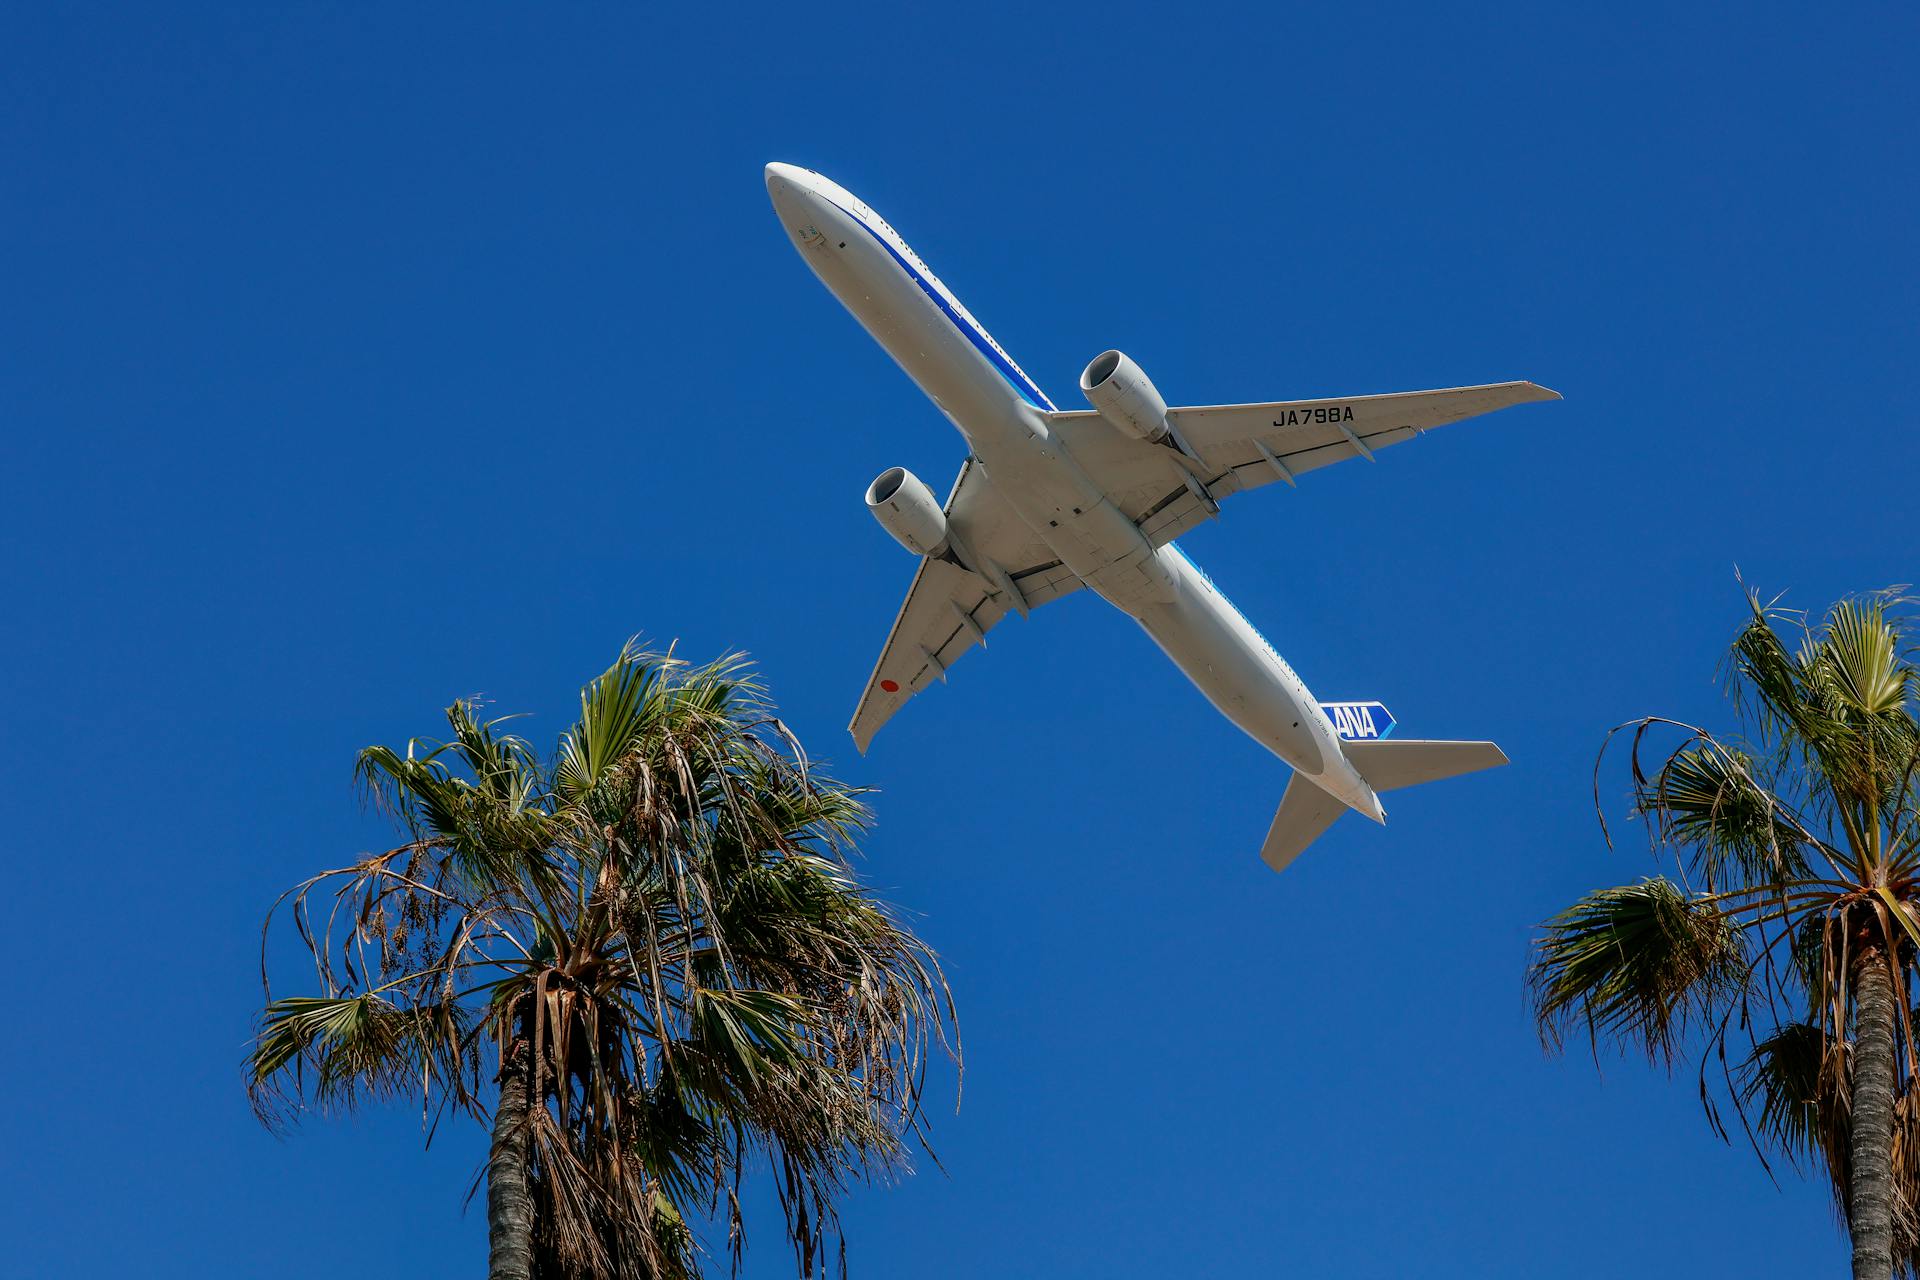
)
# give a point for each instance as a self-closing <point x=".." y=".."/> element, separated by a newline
<point x="1116" y="387"/>
<point x="906" y="508"/>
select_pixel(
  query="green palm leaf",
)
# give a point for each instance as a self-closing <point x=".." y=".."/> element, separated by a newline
<point x="1637" y="963"/>
<point x="1861" y="653"/>
<point x="1711" y="804"/>
<point x="615" y="709"/>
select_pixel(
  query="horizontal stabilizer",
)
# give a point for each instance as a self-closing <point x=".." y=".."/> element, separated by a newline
<point x="1388" y="766"/>
<point x="1305" y="812"/>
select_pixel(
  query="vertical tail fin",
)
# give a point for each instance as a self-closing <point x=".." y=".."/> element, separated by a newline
<point x="1305" y="812"/>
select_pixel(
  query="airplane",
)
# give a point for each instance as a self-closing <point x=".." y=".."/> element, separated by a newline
<point x="1049" y="501"/>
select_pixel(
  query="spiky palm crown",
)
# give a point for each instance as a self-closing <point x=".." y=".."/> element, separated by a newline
<point x="1794" y="850"/>
<point x="660" y="926"/>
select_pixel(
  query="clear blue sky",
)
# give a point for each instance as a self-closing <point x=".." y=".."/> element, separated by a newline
<point x="353" y="360"/>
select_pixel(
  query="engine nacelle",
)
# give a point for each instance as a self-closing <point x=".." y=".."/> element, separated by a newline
<point x="906" y="508"/>
<point x="1115" y="386"/>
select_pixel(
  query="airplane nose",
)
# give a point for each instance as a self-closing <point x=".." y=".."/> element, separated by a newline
<point x="786" y="190"/>
<point x="797" y="202"/>
<point x="782" y="177"/>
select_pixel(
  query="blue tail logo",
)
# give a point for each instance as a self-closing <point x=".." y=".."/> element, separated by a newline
<point x="1359" y="721"/>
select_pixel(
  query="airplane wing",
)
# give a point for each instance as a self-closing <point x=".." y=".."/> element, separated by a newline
<point x="949" y="607"/>
<point x="1231" y="448"/>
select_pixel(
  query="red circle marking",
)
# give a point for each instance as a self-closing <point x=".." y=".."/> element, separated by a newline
<point x="891" y="686"/>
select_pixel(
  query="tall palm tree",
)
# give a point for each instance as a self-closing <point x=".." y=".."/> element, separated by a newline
<point x="645" y="964"/>
<point x="1786" y="944"/>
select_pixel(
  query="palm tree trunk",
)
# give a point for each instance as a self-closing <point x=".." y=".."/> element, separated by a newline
<point x="1870" y="1197"/>
<point x="509" y="1206"/>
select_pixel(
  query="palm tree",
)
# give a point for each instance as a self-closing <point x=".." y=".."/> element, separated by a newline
<point x="1785" y="946"/>
<point x="645" y="964"/>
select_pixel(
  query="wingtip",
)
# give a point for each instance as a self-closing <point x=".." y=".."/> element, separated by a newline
<point x="1545" y="393"/>
<point x="1499" y="756"/>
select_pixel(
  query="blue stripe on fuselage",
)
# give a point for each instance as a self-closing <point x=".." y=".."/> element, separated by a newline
<point x="1178" y="550"/>
<point x="1215" y="588"/>
<point x="981" y="343"/>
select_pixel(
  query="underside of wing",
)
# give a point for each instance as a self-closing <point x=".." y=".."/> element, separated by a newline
<point x="996" y="565"/>
<point x="1215" y="451"/>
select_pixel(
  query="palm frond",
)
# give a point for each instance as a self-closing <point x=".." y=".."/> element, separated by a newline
<point x="1860" y="651"/>
<point x="344" y="1051"/>
<point x="501" y="764"/>
<point x="1706" y="800"/>
<point x="1640" y="963"/>
<point x="614" y="709"/>
<point x="1787" y="1086"/>
<point x="1770" y="682"/>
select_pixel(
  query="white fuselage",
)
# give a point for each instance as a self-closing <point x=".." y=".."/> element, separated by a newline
<point x="1001" y="414"/>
